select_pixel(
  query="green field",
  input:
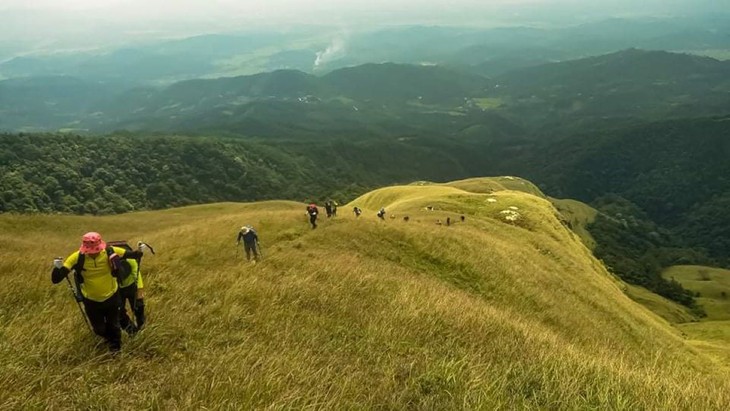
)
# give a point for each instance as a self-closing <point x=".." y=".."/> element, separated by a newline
<point x="712" y="334"/>
<point x="507" y="310"/>
<point x="488" y="103"/>
<point x="712" y="284"/>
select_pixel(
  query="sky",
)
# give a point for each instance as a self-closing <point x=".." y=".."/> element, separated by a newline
<point x="89" y="23"/>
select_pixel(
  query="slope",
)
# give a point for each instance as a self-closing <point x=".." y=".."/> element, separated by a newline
<point x="496" y="312"/>
<point x="620" y="87"/>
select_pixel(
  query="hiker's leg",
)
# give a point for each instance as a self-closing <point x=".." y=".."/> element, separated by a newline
<point x="247" y="247"/>
<point x="111" y="317"/>
<point x="255" y="250"/>
<point x="124" y="320"/>
<point x="139" y="313"/>
<point x="96" y="316"/>
<point x="127" y="294"/>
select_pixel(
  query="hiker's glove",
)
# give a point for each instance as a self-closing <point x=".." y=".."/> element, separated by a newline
<point x="58" y="262"/>
<point x="114" y="264"/>
<point x="143" y="247"/>
<point x="58" y="274"/>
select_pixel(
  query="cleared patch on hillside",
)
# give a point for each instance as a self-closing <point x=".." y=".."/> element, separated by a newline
<point x="711" y="334"/>
<point x="712" y="286"/>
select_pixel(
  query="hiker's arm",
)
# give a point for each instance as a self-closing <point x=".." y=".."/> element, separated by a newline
<point x="126" y="254"/>
<point x="58" y="274"/>
<point x="133" y="254"/>
<point x="240" y="236"/>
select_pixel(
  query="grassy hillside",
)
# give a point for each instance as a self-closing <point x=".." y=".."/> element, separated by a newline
<point x="578" y="216"/>
<point x="506" y="310"/>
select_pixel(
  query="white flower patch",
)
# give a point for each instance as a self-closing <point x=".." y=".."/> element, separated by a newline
<point x="513" y="208"/>
<point x="510" y="215"/>
<point x="491" y="200"/>
<point x="509" y="178"/>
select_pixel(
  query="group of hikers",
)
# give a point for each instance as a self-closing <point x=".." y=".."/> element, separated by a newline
<point x="107" y="276"/>
<point x="330" y="207"/>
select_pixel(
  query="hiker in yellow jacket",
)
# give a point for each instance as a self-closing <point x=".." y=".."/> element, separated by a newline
<point x="131" y="290"/>
<point x="96" y="267"/>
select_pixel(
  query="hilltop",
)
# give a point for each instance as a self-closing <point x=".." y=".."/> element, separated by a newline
<point x="506" y="310"/>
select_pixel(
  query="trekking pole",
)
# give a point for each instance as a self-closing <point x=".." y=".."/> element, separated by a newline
<point x="78" y="299"/>
<point x="259" y="250"/>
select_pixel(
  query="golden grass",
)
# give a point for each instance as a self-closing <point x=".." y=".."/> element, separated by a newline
<point x="357" y="314"/>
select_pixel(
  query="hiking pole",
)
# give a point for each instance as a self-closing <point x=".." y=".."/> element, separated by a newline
<point x="142" y="246"/>
<point x="259" y="250"/>
<point x="78" y="299"/>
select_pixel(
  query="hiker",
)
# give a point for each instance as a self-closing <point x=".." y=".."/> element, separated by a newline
<point x="381" y="213"/>
<point x="463" y="218"/>
<point x="131" y="290"/>
<point x="334" y="208"/>
<point x="250" y="242"/>
<point x="328" y="208"/>
<point x="448" y="221"/>
<point x="357" y="211"/>
<point x="312" y="211"/>
<point x="96" y="267"/>
<point x="406" y="218"/>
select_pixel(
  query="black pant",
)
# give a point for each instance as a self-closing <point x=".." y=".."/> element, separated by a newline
<point x="104" y="319"/>
<point x="251" y="247"/>
<point x="129" y="293"/>
<point x="313" y="220"/>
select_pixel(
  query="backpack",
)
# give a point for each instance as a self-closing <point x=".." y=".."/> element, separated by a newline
<point x="125" y="269"/>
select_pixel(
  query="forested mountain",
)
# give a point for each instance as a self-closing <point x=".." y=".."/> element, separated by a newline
<point x="488" y="51"/>
<point x="386" y="99"/>
<point x="624" y="86"/>
<point x="675" y="171"/>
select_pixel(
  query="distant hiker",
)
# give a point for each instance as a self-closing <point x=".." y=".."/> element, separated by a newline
<point x="328" y="208"/>
<point x="334" y="208"/>
<point x="381" y="213"/>
<point x="438" y="222"/>
<point x="250" y="242"/>
<point x="463" y="218"/>
<point x="357" y="211"/>
<point x="406" y="218"/>
<point x="96" y="268"/>
<point x="448" y="221"/>
<point x="312" y="211"/>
